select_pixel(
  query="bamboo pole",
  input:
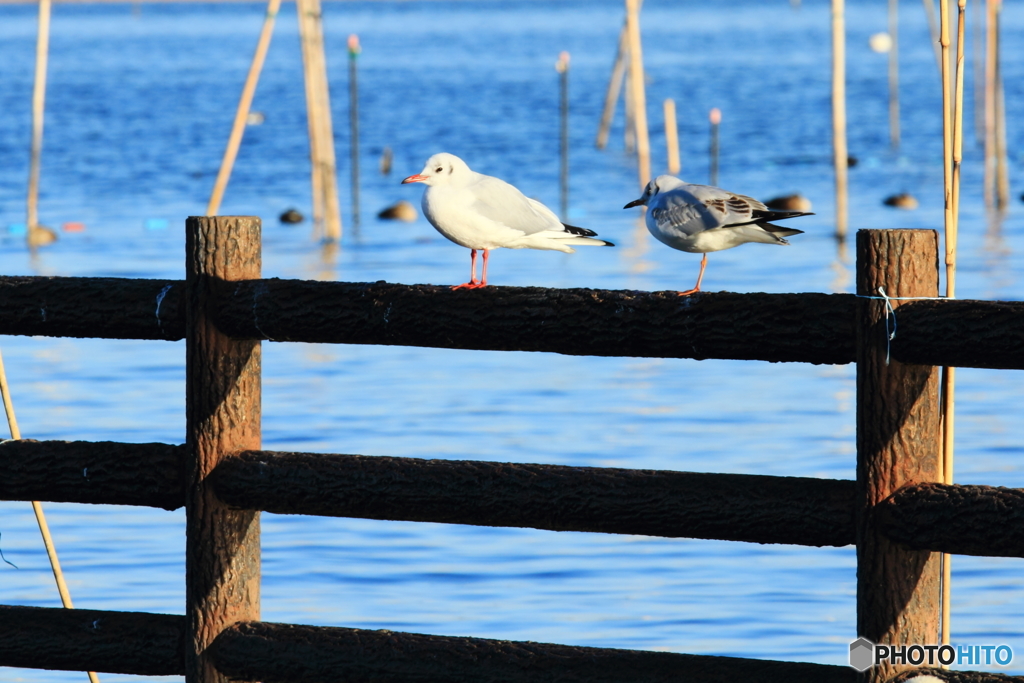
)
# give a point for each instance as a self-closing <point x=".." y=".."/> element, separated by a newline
<point x="611" y="96"/>
<point x="839" y="150"/>
<point x="242" y="113"/>
<point x="562" y="67"/>
<point x="672" y="137"/>
<point x="38" y="110"/>
<point x="894" y="74"/>
<point x="326" y="208"/>
<point x="978" y="58"/>
<point x="353" y="119"/>
<point x="37" y="508"/>
<point x="933" y="30"/>
<point x="636" y="94"/>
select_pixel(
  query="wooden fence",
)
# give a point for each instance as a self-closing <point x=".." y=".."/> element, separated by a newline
<point x="896" y="515"/>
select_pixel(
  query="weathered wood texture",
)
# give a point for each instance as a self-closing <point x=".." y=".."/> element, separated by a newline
<point x="815" y="328"/>
<point x="736" y="507"/>
<point x="897" y="444"/>
<point x="964" y="520"/>
<point x="103" y="307"/>
<point x="281" y="653"/>
<point x="961" y="333"/>
<point x="105" y="472"/>
<point x="92" y="640"/>
<point x="222" y="550"/>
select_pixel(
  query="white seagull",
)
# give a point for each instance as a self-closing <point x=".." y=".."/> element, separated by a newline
<point x="702" y="218"/>
<point x="479" y="211"/>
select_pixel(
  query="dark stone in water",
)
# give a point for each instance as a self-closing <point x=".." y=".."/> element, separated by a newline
<point x="292" y="216"/>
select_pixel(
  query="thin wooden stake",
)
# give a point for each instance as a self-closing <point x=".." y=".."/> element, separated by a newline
<point x="326" y="208"/>
<point x="614" y="87"/>
<point x="672" y="137"/>
<point x="636" y="94"/>
<point x="839" y="150"/>
<point x="1002" y="174"/>
<point x="37" y="508"/>
<point x="222" y="387"/>
<point x="353" y="119"/>
<point x="894" y="74"/>
<point x="715" y="118"/>
<point x="562" y="67"/>
<point x="933" y="30"/>
<point x="38" y="109"/>
<point x="991" y="54"/>
<point x="242" y="113"/>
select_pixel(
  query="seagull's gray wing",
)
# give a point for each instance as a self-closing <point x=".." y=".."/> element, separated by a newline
<point x="502" y="203"/>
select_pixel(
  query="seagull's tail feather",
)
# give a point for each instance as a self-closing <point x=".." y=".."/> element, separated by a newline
<point x="773" y="215"/>
<point x="579" y="231"/>
<point x="558" y="241"/>
<point x="777" y="231"/>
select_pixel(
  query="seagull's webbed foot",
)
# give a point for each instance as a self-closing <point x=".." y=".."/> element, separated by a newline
<point x="472" y="284"/>
<point x="688" y="292"/>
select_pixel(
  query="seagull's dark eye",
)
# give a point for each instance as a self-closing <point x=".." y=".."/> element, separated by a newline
<point x="438" y="169"/>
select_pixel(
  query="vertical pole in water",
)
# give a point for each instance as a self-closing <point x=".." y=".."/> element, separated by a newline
<point x="562" y="67"/>
<point x="897" y="443"/>
<point x="242" y="113"/>
<point x="614" y="86"/>
<point x="672" y="136"/>
<point x="933" y="30"/>
<point x="321" y="130"/>
<point x="715" y="117"/>
<point x="840" y="155"/>
<point x="353" y="119"/>
<point x="38" y="108"/>
<point x="636" y="94"/>
<point x="894" y="74"/>
<point x="1002" y="176"/>
<point x="991" y="81"/>
<point x="222" y="386"/>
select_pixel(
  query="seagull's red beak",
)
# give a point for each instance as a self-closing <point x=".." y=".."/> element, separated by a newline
<point x="418" y="178"/>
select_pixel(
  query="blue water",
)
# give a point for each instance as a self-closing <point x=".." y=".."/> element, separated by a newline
<point x="139" y="105"/>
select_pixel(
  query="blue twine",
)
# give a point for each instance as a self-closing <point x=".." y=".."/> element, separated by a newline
<point x="889" y="311"/>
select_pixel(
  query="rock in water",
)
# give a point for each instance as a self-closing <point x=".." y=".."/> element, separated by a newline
<point x="789" y="202"/>
<point x="903" y="200"/>
<point x="291" y="216"/>
<point x="399" y="211"/>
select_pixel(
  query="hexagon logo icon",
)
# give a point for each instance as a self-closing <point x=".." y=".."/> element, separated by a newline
<point x="862" y="654"/>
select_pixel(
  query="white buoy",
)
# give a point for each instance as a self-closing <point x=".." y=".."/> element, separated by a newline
<point x="880" y="42"/>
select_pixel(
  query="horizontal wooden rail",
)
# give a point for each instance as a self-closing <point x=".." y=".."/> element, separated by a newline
<point x="280" y="653"/>
<point x="733" y="507"/>
<point x="809" y="327"/>
<point x="92" y="640"/>
<point x="812" y="328"/>
<point x="960" y="519"/>
<point x="153" y="645"/>
<point x="101" y="307"/>
<point x="965" y="520"/>
<point x="99" y="472"/>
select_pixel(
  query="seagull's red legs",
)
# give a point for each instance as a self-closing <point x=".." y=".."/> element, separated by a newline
<point x="473" y="282"/>
<point x="700" y="276"/>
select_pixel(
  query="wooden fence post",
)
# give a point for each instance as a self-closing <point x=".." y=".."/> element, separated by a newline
<point x="222" y="385"/>
<point x="898" y="443"/>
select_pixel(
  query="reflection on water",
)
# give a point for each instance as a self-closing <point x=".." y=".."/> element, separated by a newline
<point x="137" y="111"/>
